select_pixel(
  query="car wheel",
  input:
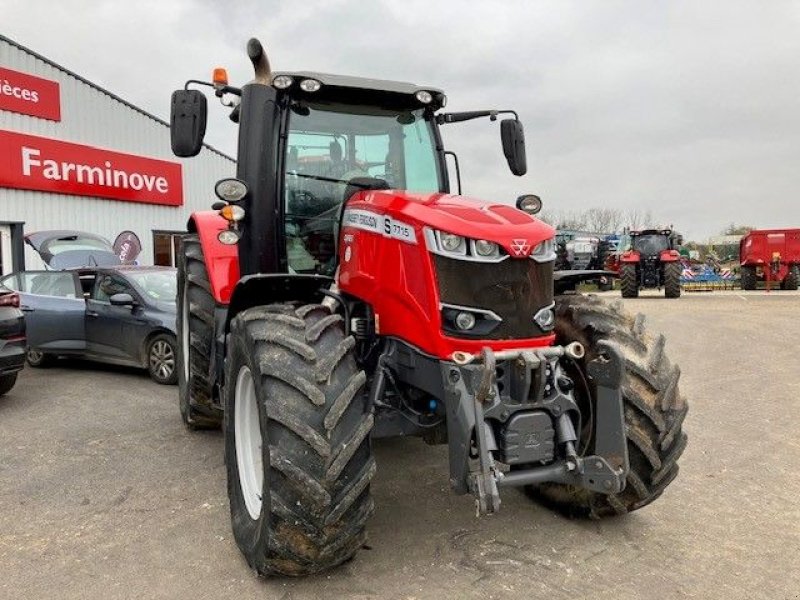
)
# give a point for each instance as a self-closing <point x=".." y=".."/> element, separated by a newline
<point x="38" y="359"/>
<point x="161" y="359"/>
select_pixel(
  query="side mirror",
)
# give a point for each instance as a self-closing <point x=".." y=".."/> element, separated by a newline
<point x="121" y="300"/>
<point x="513" y="138"/>
<point x="187" y="122"/>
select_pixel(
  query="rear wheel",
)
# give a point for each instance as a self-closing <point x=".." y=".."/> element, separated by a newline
<point x="37" y="359"/>
<point x="628" y="281"/>
<point x="672" y="280"/>
<point x="654" y="408"/>
<point x="195" y="326"/>
<point x="297" y="448"/>
<point x="748" y="275"/>
<point x="790" y="282"/>
<point x="7" y="382"/>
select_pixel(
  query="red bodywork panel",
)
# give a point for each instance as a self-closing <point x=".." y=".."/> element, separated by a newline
<point x="630" y="256"/>
<point x="669" y="256"/>
<point x="384" y="260"/>
<point x="774" y="250"/>
<point x="222" y="261"/>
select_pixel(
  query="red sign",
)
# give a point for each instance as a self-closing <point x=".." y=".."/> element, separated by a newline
<point x="29" y="162"/>
<point x="29" y="95"/>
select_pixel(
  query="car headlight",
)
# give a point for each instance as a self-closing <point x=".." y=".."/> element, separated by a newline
<point x="545" y="252"/>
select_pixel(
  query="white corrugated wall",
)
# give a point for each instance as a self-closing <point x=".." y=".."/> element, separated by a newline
<point x="91" y="116"/>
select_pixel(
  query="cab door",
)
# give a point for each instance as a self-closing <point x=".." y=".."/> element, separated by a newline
<point x="112" y="332"/>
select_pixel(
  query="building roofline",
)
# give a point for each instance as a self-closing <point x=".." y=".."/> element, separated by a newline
<point x="101" y="89"/>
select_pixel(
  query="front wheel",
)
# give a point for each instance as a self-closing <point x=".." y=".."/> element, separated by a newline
<point x="654" y="408"/>
<point x="672" y="280"/>
<point x="297" y="447"/>
<point x="629" y="284"/>
<point x="161" y="352"/>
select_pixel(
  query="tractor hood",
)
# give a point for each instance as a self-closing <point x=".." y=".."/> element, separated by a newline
<point x="517" y="232"/>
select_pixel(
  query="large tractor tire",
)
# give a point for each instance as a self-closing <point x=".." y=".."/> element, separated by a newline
<point x="672" y="280"/>
<point x="297" y="445"/>
<point x="654" y="408"/>
<point x="748" y="278"/>
<point x="790" y="281"/>
<point x="629" y="284"/>
<point x="195" y="328"/>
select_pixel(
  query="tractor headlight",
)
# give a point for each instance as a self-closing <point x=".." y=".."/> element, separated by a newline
<point x="424" y="96"/>
<point x="282" y="82"/>
<point x="545" y="252"/>
<point x="546" y="318"/>
<point x="452" y="243"/>
<point x="230" y="189"/>
<point x="310" y="85"/>
<point x="465" y="321"/>
<point x="229" y="237"/>
<point x="485" y="248"/>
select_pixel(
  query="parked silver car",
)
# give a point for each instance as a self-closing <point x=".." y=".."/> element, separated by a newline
<point x="123" y="315"/>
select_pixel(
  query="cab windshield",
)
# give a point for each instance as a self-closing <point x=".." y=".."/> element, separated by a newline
<point x="650" y="245"/>
<point x="330" y="144"/>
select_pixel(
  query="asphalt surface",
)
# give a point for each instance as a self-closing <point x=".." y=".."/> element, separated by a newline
<point x="104" y="494"/>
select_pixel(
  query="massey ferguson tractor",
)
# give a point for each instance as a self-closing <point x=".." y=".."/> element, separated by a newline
<point x="338" y="292"/>
<point x="652" y="261"/>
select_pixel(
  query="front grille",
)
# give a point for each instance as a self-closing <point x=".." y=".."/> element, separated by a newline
<point x="515" y="289"/>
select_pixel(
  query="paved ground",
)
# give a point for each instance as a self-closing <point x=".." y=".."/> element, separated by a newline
<point x="104" y="494"/>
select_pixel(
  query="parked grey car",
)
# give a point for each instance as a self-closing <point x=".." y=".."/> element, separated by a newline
<point x="123" y="315"/>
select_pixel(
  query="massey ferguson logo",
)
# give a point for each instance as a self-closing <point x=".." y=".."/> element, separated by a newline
<point x="520" y="247"/>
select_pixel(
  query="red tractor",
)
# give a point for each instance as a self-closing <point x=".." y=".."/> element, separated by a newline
<point x="770" y="255"/>
<point x="326" y="303"/>
<point x="652" y="261"/>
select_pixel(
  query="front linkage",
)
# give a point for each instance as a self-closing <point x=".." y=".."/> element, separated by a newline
<point x="528" y="398"/>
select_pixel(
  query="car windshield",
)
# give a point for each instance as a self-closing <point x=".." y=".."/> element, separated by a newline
<point x="649" y="245"/>
<point x="161" y="286"/>
<point x="329" y="145"/>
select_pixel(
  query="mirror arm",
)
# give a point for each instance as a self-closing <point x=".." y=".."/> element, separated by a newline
<point x="475" y="114"/>
<point x="219" y="91"/>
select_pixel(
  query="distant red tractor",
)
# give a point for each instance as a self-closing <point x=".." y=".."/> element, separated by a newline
<point x="770" y="255"/>
<point x="652" y="261"/>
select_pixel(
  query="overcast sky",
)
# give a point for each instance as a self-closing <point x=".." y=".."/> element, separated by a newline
<point x="688" y="109"/>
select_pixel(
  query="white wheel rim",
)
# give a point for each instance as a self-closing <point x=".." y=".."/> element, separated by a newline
<point x="247" y="436"/>
<point x="34" y="355"/>
<point x="185" y="332"/>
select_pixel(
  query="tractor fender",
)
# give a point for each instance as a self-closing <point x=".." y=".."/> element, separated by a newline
<point x="669" y="256"/>
<point x="630" y="256"/>
<point x="275" y="288"/>
<point x="222" y="260"/>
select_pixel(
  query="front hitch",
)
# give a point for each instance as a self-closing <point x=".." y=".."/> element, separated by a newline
<point x="474" y="402"/>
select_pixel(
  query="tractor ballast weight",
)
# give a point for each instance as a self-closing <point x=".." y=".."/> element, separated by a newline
<point x="771" y="256"/>
<point x="322" y="304"/>
<point x="652" y="261"/>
